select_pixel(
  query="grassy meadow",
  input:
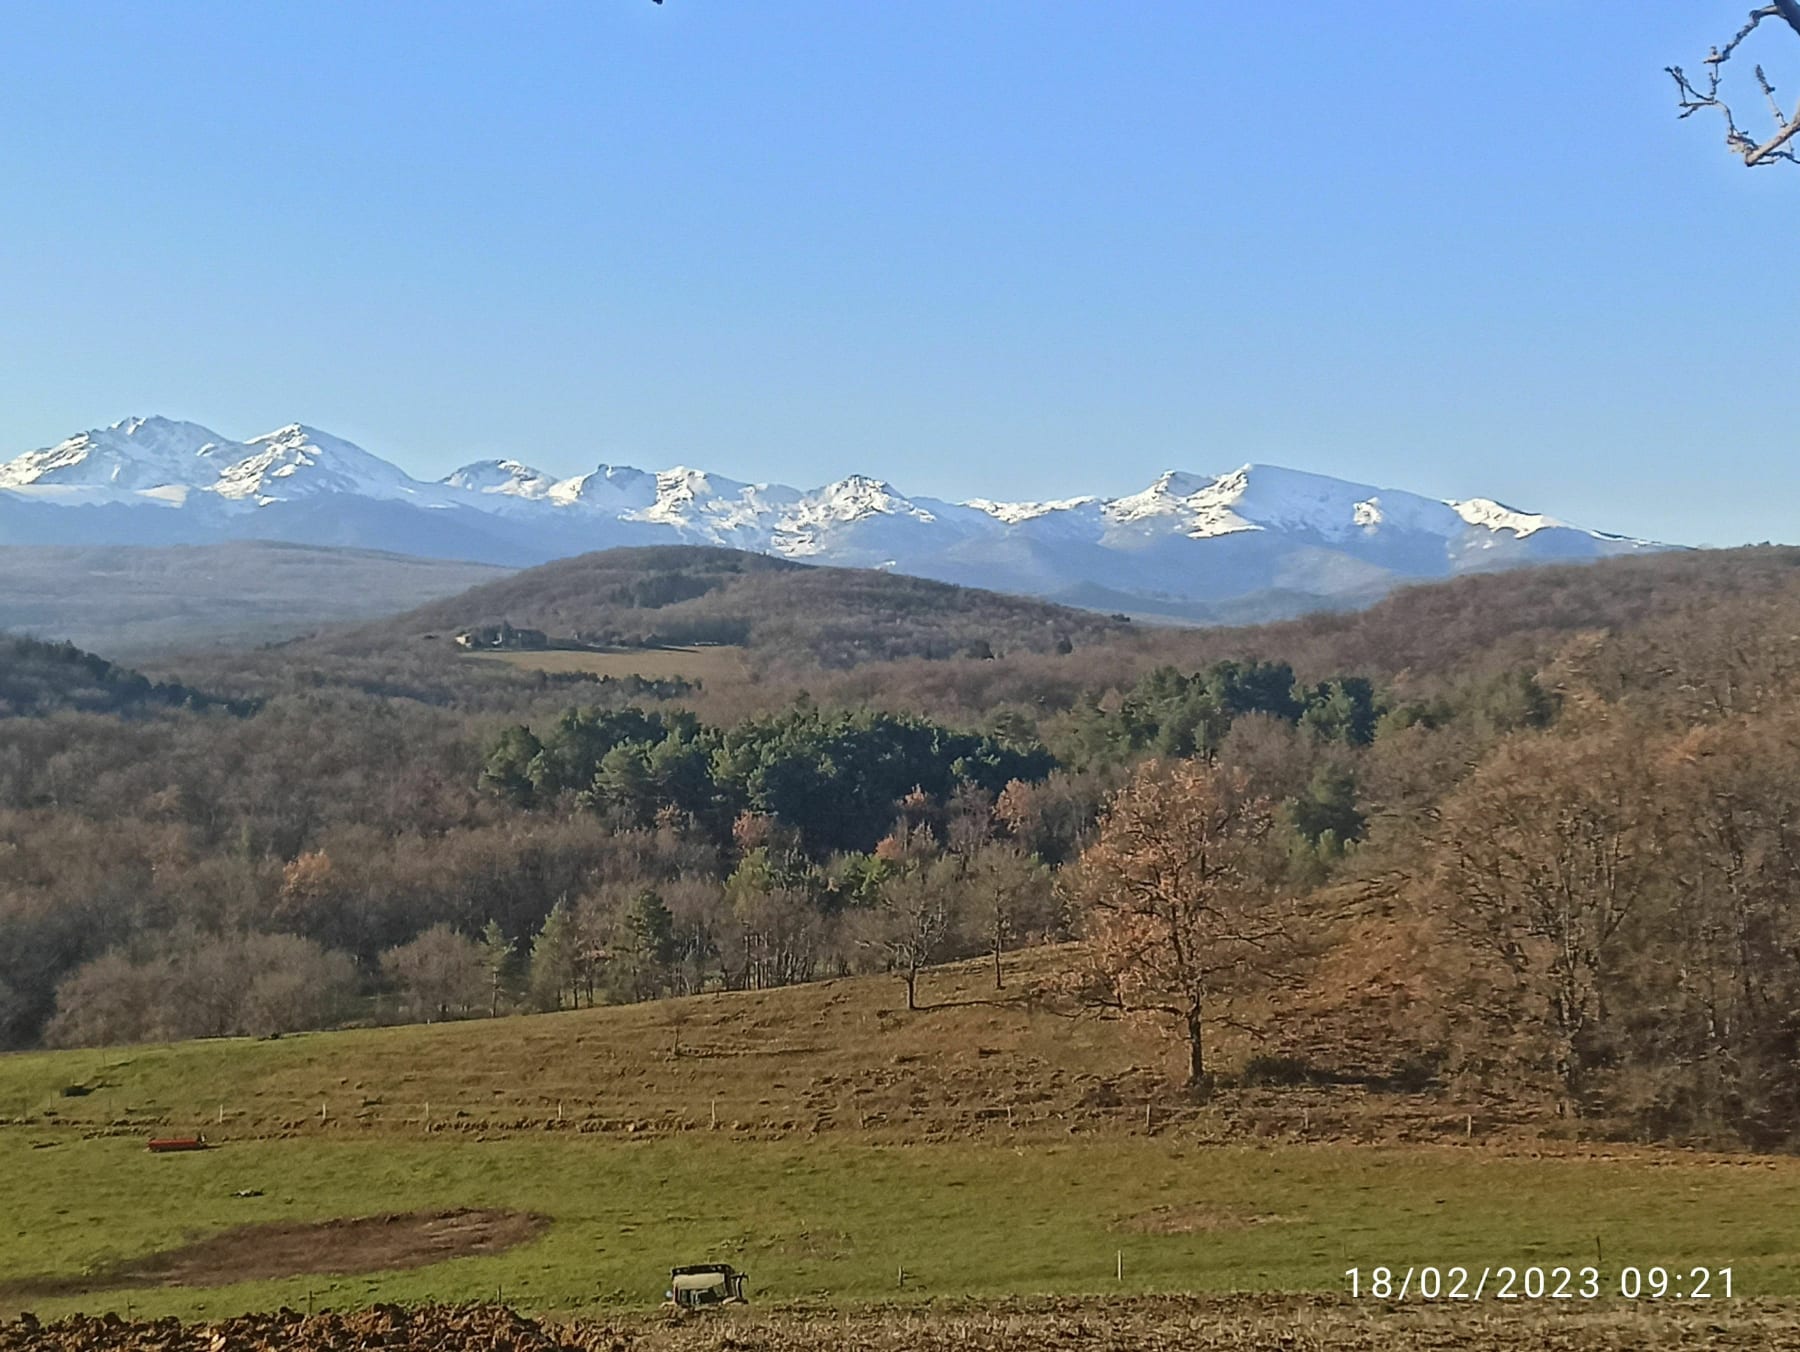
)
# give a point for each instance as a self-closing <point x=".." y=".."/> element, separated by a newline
<point x="824" y="1139"/>
<point x="837" y="1221"/>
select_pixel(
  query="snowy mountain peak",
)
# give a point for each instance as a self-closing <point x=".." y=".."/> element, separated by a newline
<point x="1258" y="497"/>
<point x="1203" y="506"/>
<point x="500" y="476"/>
<point x="862" y="483"/>
<point x="158" y="431"/>
<point x="710" y="508"/>
<point x="298" y="461"/>
<point x="1497" y="516"/>
<point x="298" y="439"/>
<point x="1183" y="546"/>
<point x="622" y="474"/>
<point x="607" y="488"/>
<point x="1177" y="483"/>
<point x="859" y="495"/>
<point x="681" y="492"/>
<point x="132" y="454"/>
<point x="681" y="481"/>
<point x="1013" y="513"/>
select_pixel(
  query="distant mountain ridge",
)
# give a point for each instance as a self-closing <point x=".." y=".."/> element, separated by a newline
<point x="1258" y="542"/>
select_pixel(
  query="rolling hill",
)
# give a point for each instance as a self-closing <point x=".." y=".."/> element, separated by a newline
<point x="822" y="1138"/>
<point x="839" y="617"/>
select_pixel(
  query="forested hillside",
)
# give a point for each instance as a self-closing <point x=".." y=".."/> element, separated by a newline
<point x="835" y="617"/>
<point x="1536" y="830"/>
<point x="38" y="678"/>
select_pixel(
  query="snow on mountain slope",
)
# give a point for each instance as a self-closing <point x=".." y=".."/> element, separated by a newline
<point x="298" y="461"/>
<point x="616" y="488"/>
<point x="853" y="499"/>
<point x="607" y="488"/>
<point x="1198" y="507"/>
<point x="135" y="454"/>
<point x="1013" y="513"/>
<point x="1497" y="516"/>
<point x="1187" y="544"/>
<point x="154" y="457"/>
<point x="1267" y="497"/>
<point x="866" y="520"/>
<point x="711" y="508"/>
<point x="508" y="477"/>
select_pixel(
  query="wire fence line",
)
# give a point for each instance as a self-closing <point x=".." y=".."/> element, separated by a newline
<point x="1274" y="1117"/>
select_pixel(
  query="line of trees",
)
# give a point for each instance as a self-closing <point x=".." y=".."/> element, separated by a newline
<point x="1627" y="893"/>
<point x="189" y="985"/>
<point x="627" y="852"/>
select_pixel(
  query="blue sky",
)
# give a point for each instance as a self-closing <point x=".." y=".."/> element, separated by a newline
<point x="1001" y="248"/>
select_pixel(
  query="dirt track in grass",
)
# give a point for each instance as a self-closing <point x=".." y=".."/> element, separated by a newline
<point x="290" y="1249"/>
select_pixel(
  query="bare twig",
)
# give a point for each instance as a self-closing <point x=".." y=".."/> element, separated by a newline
<point x="1769" y="93"/>
<point x="1705" y="94"/>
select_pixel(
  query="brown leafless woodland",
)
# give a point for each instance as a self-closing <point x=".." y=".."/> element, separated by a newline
<point x="1581" y="779"/>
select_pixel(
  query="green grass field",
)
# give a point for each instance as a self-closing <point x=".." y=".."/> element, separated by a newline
<point x="822" y="1138"/>
<point x="838" y="1221"/>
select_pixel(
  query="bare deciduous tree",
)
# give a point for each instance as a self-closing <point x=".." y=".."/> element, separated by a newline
<point x="1707" y="92"/>
<point x="204" y="986"/>
<point x="913" y="922"/>
<point x="442" y="975"/>
<point x="1543" y="855"/>
<point x="1010" y="896"/>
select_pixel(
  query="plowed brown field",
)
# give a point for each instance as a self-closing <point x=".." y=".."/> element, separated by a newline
<point x="1176" y="1324"/>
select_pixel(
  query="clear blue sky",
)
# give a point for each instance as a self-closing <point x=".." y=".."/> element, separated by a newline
<point x="1003" y="248"/>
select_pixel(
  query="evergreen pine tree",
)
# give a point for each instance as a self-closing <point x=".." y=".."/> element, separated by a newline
<point x="497" y="961"/>
<point x="553" y="959"/>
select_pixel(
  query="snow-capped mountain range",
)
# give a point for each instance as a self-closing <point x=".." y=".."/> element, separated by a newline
<point x="1256" y="542"/>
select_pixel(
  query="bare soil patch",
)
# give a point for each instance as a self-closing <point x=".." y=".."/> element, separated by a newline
<point x="1193" y="1219"/>
<point x="249" y="1253"/>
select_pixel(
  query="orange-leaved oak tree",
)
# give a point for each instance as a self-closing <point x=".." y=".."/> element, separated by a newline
<point x="1179" y="903"/>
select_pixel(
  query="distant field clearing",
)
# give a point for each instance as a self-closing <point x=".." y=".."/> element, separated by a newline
<point x="699" y="663"/>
